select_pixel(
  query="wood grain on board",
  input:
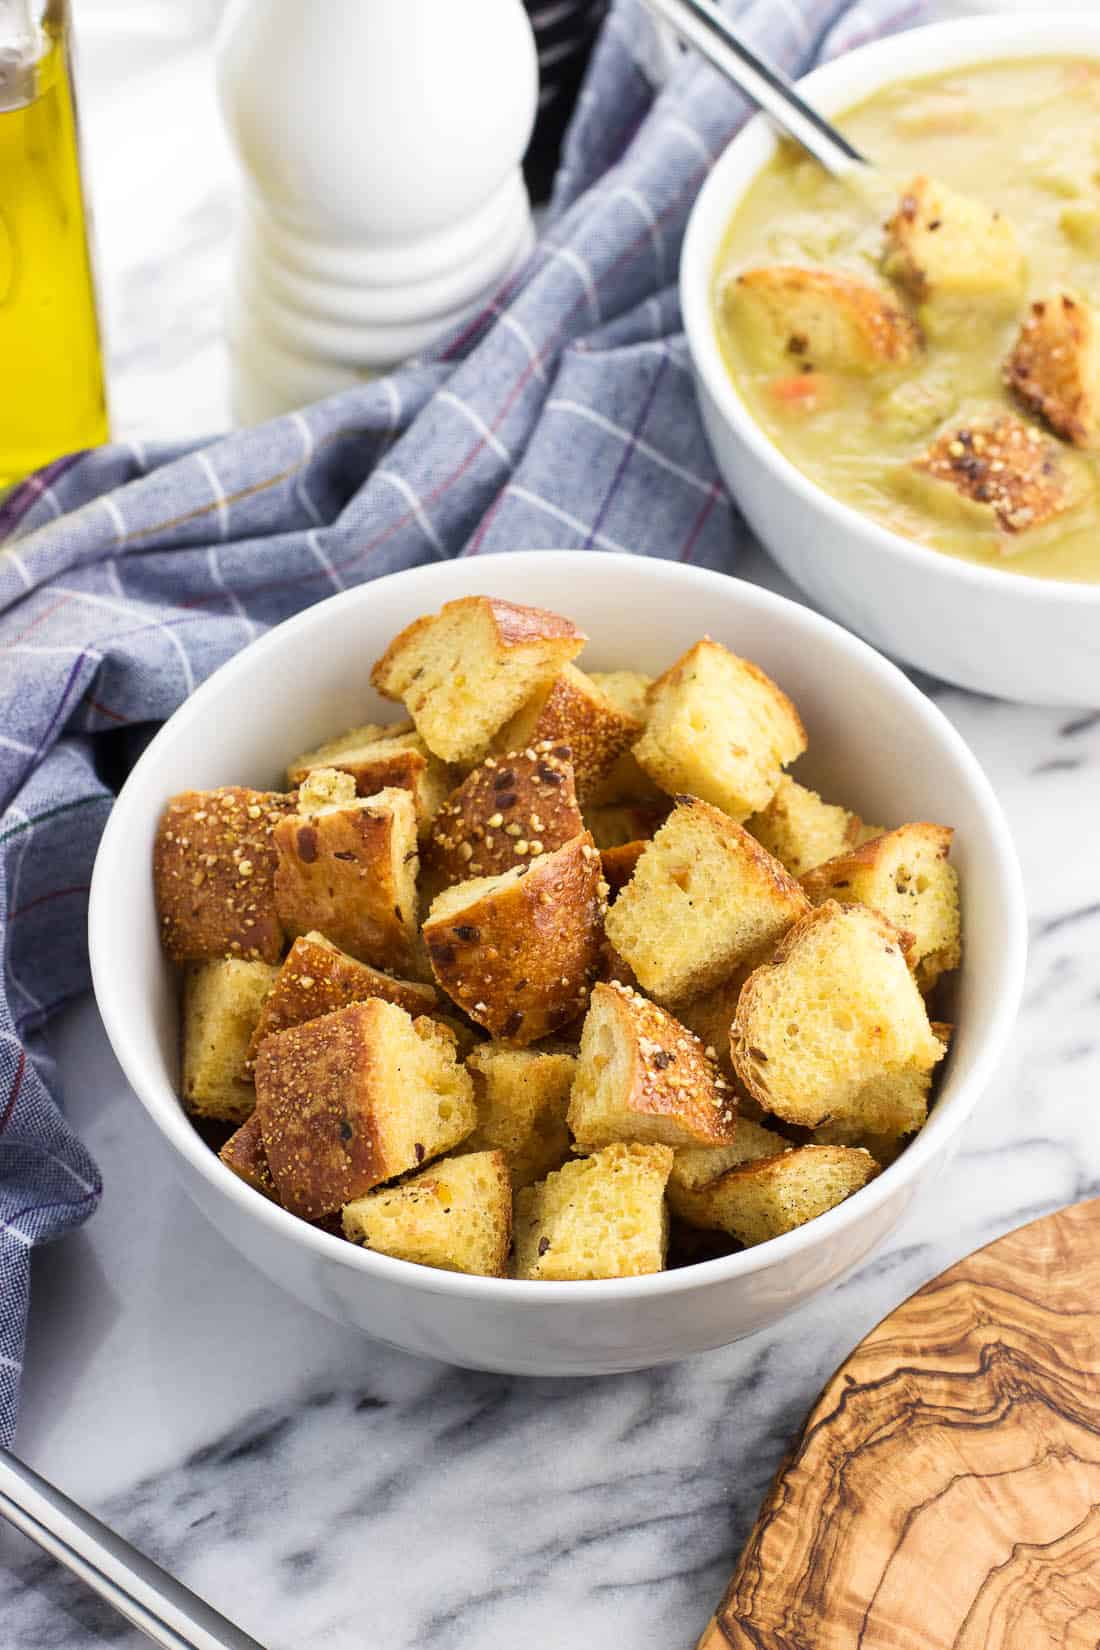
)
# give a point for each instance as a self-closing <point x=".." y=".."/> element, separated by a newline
<point x="945" y="1491"/>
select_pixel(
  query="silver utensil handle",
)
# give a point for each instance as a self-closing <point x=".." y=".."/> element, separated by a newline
<point x="703" y="26"/>
<point x="163" y="1608"/>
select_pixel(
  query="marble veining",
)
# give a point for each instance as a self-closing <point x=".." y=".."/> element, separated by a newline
<point x="328" y="1492"/>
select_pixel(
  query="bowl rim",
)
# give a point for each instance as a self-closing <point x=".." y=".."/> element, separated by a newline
<point x="174" y="1124"/>
<point x="835" y="86"/>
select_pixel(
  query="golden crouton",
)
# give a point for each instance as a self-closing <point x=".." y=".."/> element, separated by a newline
<point x="456" y="1216"/>
<point x="625" y="782"/>
<point x="377" y="757"/>
<point x="355" y="1098"/>
<point x="710" y="1016"/>
<point x="899" y="1101"/>
<point x="834" y="1013"/>
<point x="518" y="952"/>
<point x="221" y="1004"/>
<point x="317" y="978"/>
<point x="642" y="1076"/>
<point x="1054" y="368"/>
<point x="905" y="874"/>
<point x="628" y="689"/>
<point x="1010" y="475"/>
<point x="214" y="874"/>
<point x="615" y="824"/>
<point x="350" y="872"/>
<point x="802" y="831"/>
<point x="602" y="1216"/>
<point x="573" y="710"/>
<point x="619" y="865"/>
<point x="720" y="729"/>
<point x="768" y="1195"/>
<point x="462" y="672"/>
<point x="704" y="897"/>
<point x="819" y="317"/>
<point x="522" y="1095"/>
<point x="699" y="1166"/>
<point x="525" y="798"/>
<point x="244" y="1154"/>
<point x="941" y="243"/>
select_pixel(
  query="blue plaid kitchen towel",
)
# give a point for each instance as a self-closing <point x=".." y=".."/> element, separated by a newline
<point x="562" y="416"/>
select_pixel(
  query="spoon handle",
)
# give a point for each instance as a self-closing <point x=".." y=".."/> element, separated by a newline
<point x="703" y="26"/>
<point x="163" y="1608"/>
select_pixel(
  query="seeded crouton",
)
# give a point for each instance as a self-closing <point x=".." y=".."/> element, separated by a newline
<point x="350" y="872"/>
<point x="941" y="243"/>
<point x="720" y="729"/>
<point x="642" y="1076"/>
<point x="456" y="1216"/>
<point x="801" y="831"/>
<point x="618" y="823"/>
<point x="244" y="1154"/>
<point x="221" y="1004"/>
<point x="764" y="1197"/>
<point x="1054" y="368"/>
<point x="602" y="1216"/>
<point x="518" y="952"/>
<point x="508" y="808"/>
<point x="819" y="317"/>
<point x="573" y="710"/>
<point x="834" y="1014"/>
<point x="214" y="874"/>
<point x="462" y="672"/>
<point x="318" y="978"/>
<point x="1005" y="471"/>
<point x="379" y="757"/>
<point x="355" y="1098"/>
<point x="704" y="897"/>
<point x="522" y="1095"/>
<point x="905" y="874"/>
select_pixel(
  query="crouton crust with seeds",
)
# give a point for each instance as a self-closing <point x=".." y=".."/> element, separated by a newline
<point x="462" y="672"/>
<point x="524" y="798"/>
<point x="763" y="1198"/>
<point x="243" y="1154"/>
<point x="801" y="831"/>
<point x="1006" y="468"/>
<point x="455" y="1216"/>
<point x="518" y="952"/>
<point x="222" y="1000"/>
<point x="1054" y="367"/>
<point x="943" y="243"/>
<point x="573" y="710"/>
<point x="214" y="874"/>
<point x="641" y="1075"/>
<point x="820" y="317"/>
<point x="522" y="1096"/>
<point x="379" y="756"/>
<point x="602" y="1216"/>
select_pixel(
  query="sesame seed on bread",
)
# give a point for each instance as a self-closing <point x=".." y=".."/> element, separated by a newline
<point x="573" y="710"/>
<point x="510" y="807"/>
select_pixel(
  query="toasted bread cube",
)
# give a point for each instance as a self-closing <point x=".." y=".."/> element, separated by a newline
<point x="574" y="710"/>
<point x="221" y="1004"/>
<point x="350" y="872"/>
<point x="355" y="1098"/>
<point x="834" y="1013"/>
<point x="324" y="788"/>
<point x="244" y="1154"/>
<point x="522" y="1096"/>
<point x="704" y="897"/>
<point x="941" y="243"/>
<point x="628" y="689"/>
<point x="1008" y="474"/>
<point x="462" y="672"/>
<point x="720" y="729"/>
<point x="899" y="1101"/>
<point x="602" y="1216"/>
<point x="626" y="782"/>
<point x="801" y="831"/>
<point x="518" y="952"/>
<point x="699" y="1166"/>
<point x="906" y="875"/>
<point x="456" y="1216"/>
<point x="525" y="797"/>
<point x="214" y="874"/>
<point x="642" y="1076"/>
<point x="317" y="978"/>
<point x="618" y="823"/>
<point x="819" y="317"/>
<point x="767" y="1196"/>
<point x="1054" y="367"/>
<point x="619" y="865"/>
<point x="379" y="757"/>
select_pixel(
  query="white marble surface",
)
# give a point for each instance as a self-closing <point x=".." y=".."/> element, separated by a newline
<point x="330" y="1493"/>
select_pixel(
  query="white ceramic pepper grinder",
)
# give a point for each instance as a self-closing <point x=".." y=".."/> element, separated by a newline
<point x="381" y="143"/>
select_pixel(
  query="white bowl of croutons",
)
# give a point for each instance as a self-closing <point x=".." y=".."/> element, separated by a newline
<point x="600" y="1013"/>
<point x="897" y="381"/>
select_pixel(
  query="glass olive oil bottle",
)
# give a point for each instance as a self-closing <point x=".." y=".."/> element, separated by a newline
<point x="52" y="395"/>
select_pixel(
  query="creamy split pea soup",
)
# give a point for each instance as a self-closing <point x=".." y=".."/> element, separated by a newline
<point x="925" y="344"/>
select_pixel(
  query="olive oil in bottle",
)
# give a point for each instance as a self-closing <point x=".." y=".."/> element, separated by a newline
<point x="51" y="370"/>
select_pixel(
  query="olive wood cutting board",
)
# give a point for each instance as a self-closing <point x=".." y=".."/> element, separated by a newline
<point x="945" y="1491"/>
